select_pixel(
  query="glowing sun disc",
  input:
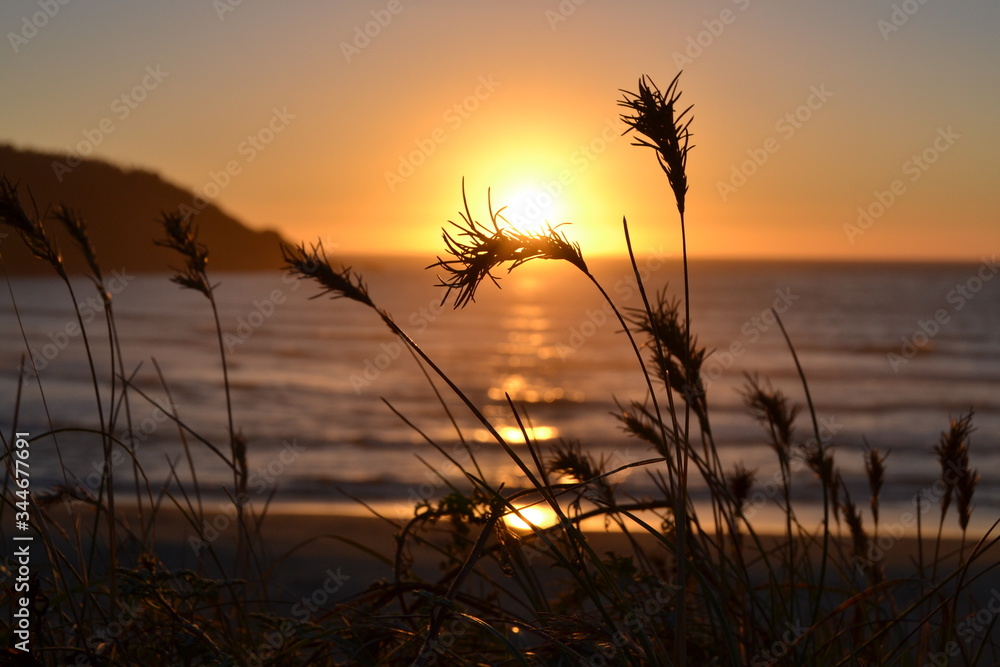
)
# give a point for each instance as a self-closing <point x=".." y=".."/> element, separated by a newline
<point x="540" y="517"/>
<point x="532" y="209"/>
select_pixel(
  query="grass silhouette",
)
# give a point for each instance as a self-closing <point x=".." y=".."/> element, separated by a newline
<point x="686" y="584"/>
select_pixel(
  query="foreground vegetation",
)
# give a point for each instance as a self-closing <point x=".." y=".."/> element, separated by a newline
<point x="692" y="584"/>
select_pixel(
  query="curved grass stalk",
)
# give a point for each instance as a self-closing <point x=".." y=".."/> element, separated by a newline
<point x="820" y="453"/>
<point x="660" y="125"/>
<point x="181" y="235"/>
<point x="34" y="235"/>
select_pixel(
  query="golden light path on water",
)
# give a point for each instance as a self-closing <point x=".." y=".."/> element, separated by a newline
<point x="520" y="378"/>
<point x="513" y="433"/>
<point x="521" y="390"/>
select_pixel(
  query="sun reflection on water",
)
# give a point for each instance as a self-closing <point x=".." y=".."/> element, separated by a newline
<point x="535" y="433"/>
<point x="514" y="435"/>
<point x="523" y="390"/>
<point x="537" y="515"/>
<point x="526" y="323"/>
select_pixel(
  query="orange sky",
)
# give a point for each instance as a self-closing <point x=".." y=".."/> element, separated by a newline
<point x="356" y="122"/>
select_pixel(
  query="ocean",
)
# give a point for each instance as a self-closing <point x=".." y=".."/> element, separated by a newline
<point x="890" y="352"/>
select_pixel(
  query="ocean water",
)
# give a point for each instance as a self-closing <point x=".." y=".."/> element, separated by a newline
<point x="890" y="351"/>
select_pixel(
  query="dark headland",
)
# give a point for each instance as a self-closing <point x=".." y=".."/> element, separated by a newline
<point x="122" y="208"/>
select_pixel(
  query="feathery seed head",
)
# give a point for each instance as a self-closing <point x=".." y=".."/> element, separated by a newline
<point x="28" y="227"/>
<point x="854" y="522"/>
<point x="77" y="229"/>
<point x="676" y="356"/>
<point x="740" y="483"/>
<point x="664" y="128"/>
<point x="950" y="450"/>
<point x="770" y="407"/>
<point x="313" y="263"/>
<point x="182" y="236"/>
<point x="637" y="420"/>
<point x="477" y="250"/>
<point x="875" y="469"/>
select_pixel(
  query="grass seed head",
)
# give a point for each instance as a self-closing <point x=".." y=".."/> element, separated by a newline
<point x="657" y="118"/>
<point x="772" y="409"/>
<point x="28" y="227"/>
<point x="313" y="263"/>
<point x="477" y="249"/>
<point x="181" y="234"/>
<point x="950" y="450"/>
<point x="875" y="470"/>
<point x="741" y="483"/>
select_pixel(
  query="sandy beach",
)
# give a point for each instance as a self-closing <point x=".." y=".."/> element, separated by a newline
<point x="304" y="553"/>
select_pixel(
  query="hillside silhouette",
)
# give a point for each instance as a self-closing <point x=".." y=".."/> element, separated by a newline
<point x="122" y="209"/>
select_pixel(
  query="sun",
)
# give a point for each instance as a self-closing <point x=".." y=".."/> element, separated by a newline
<point x="537" y="515"/>
<point x="530" y="208"/>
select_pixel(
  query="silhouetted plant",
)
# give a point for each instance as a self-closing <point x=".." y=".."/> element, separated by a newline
<point x="314" y="263"/>
<point x="181" y="235"/>
<point x="702" y="587"/>
<point x="478" y="249"/>
<point x="664" y="127"/>
<point x="28" y="227"/>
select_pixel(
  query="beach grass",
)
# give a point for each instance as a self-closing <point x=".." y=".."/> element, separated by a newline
<point x="474" y="578"/>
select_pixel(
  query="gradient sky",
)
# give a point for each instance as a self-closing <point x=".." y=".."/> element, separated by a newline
<point x="511" y="95"/>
